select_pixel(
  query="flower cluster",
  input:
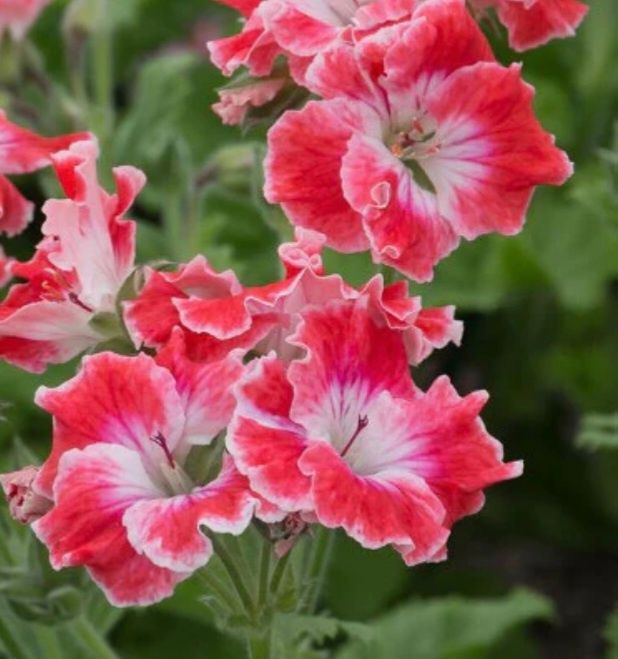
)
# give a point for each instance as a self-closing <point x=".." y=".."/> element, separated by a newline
<point x="299" y="391"/>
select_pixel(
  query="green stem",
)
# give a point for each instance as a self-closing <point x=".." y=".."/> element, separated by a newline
<point x="279" y="572"/>
<point x="103" y="77"/>
<point x="235" y="576"/>
<point x="91" y="640"/>
<point x="318" y="566"/>
<point x="264" y="575"/>
<point x="48" y="639"/>
<point x="10" y="639"/>
<point x="219" y="589"/>
<point x="259" y="647"/>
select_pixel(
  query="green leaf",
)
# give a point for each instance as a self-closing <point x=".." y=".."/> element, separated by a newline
<point x="599" y="431"/>
<point x="449" y="628"/>
<point x="307" y="633"/>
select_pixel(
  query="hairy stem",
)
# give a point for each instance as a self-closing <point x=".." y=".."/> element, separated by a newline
<point x="91" y="640"/>
<point x="235" y="576"/>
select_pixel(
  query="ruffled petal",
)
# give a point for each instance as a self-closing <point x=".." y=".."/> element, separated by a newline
<point x="492" y="150"/>
<point x="16" y="211"/>
<point x="115" y="400"/>
<point x="168" y="531"/>
<point x="205" y="388"/>
<point x="402" y="220"/>
<point x="349" y="362"/>
<point x="302" y="169"/>
<point x="94" y="488"/>
<point x="22" y="151"/>
<point x="535" y="25"/>
<point x="263" y="441"/>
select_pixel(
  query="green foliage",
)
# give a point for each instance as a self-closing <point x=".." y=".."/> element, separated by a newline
<point x="449" y="628"/>
<point x="599" y="431"/>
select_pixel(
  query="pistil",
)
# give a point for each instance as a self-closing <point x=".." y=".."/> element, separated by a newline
<point x="363" y="422"/>
<point x="160" y="440"/>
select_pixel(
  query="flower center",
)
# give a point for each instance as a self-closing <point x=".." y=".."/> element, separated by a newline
<point x="160" y="440"/>
<point x="416" y="144"/>
<point x="173" y="475"/>
<point x="363" y="422"/>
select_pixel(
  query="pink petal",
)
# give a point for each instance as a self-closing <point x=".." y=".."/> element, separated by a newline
<point x="349" y="361"/>
<point x="168" y="531"/>
<point x="254" y="48"/>
<point x="302" y="169"/>
<point x="441" y="38"/>
<point x="116" y="400"/>
<point x="401" y="219"/>
<point x="263" y="441"/>
<point x="92" y="491"/>
<point x="390" y="508"/>
<point x="542" y="21"/>
<point x="15" y="210"/>
<point x="493" y="151"/>
<point x="235" y="102"/>
<point x="22" y="151"/>
<point x="89" y="233"/>
<point x="204" y="388"/>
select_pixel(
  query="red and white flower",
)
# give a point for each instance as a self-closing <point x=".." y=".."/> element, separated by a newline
<point x="79" y="267"/>
<point x="532" y="23"/>
<point x="18" y="15"/>
<point x="217" y="314"/>
<point x="344" y="437"/>
<point x="423" y="139"/>
<point x="300" y="29"/>
<point x="22" y="151"/>
<point x="125" y="505"/>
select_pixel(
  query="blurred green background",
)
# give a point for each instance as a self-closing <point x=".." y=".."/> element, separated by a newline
<point x="536" y="573"/>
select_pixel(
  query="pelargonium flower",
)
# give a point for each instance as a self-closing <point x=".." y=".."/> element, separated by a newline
<point x="532" y="23"/>
<point x="21" y="152"/>
<point x="217" y="314"/>
<point x="423" y="139"/>
<point x="344" y="437"/>
<point x="300" y="29"/>
<point x="78" y="269"/>
<point x="127" y="505"/>
<point x="18" y="15"/>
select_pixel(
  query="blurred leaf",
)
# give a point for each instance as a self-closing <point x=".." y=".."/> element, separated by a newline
<point x="599" y="431"/>
<point x="449" y="628"/>
<point x="308" y="633"/>
<point x="611" y="635"/>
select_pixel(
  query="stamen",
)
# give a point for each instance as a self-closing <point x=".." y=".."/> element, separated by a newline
<point x="363" y="422"/>
<point x="160" y="440"/>
<point x="73" y="297"/>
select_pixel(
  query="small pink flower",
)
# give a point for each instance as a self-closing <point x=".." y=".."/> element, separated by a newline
<point x="423" y="139"/>
<point x="532" y="23"/>
<point x="343" y="437"/>
<point x="18" y="15"/>
<point x="25" y="504"/>
<point x="125" y="505"/>
<point x="217" y="314"/>
<point x="234" y="103"/>
<point x="22" y="151"/>
<point x="85" y="256"/>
